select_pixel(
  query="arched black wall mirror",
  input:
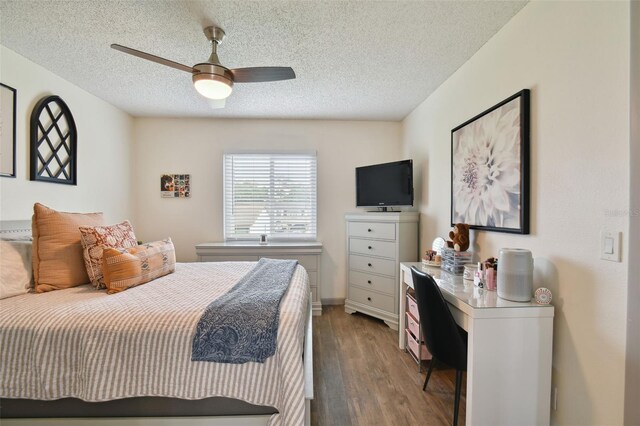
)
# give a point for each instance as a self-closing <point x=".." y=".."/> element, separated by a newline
<point x="53" y="142"/>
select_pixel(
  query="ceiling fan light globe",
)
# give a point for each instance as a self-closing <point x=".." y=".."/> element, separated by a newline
<point x="213" y="86"/>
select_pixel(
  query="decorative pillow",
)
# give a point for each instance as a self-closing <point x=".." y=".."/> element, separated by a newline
<point x="15" y="268"/>
<point x="57" y="251"/>
<point x="126" y="268"/>
<point x="95" y="238"/>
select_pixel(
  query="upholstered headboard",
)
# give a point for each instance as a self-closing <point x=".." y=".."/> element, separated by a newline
<point x="15" y="228"/>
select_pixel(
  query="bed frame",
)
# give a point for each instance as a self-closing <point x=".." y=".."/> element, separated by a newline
<point x="18" y="228"/>
<point x="15" y="228"/>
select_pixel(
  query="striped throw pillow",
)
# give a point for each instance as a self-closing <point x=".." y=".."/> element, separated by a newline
<point x="57" y="252"/>
<point x="124" y="268"/>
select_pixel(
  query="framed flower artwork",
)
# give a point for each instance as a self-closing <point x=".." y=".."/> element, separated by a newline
<point x="490" y="168"/>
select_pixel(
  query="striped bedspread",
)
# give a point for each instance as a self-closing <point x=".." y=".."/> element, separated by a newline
<point x="85" y="344"/>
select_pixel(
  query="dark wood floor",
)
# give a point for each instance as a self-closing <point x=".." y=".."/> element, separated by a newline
<point x="361" y="377"/>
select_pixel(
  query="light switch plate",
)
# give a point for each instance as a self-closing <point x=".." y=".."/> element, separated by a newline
<point x="610" y="246"/>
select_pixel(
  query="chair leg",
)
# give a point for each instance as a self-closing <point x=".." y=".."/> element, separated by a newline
<point x="431" y="364"/>
<point x="457" y="398"/>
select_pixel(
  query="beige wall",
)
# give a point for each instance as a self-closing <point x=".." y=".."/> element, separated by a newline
<point x="196" y="146"/>
<point x="574" y="56"/>
<point x="632" y="394"/>
<point x="104" y="144"/>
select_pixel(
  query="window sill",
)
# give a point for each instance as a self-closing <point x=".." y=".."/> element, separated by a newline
<point x="255" y="244"/>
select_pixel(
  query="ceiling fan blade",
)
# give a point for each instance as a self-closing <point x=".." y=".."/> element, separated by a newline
<point x="153" y="58"/>
<point x="262" y="74"/>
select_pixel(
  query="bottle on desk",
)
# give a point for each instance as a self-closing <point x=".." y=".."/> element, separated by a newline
<point x="478" y="276"/>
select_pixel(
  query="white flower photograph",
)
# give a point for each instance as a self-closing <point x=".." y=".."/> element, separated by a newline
<point x="489" y="168"/>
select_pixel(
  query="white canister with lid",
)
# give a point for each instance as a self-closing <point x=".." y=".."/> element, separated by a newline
<point x="515" y="274"/>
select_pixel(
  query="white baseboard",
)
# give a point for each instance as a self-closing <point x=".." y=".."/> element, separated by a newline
<point x="333" y="301"/>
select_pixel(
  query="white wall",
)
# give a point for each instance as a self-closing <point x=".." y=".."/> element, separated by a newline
<point x="632" y="394"/>
<point x="574" y="56"/>
<point x="196" y="146"/>
<point x="104" y="145"/>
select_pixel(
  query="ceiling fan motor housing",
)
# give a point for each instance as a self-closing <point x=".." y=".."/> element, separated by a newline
<point x="205" y="72"/>
<point x="205" y="69"/>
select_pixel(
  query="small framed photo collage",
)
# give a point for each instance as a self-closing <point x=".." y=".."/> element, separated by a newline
<point x="175" y="186"/>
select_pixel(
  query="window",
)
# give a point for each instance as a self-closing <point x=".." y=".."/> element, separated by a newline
<point x="270" y="193"/>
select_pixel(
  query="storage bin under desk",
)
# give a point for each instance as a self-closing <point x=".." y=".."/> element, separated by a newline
<point x="419" y="351"/>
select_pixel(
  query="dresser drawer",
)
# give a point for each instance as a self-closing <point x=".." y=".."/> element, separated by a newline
<point x="372" y="299"/>
<point x="372" y="264"/>
<point x="386" y="231"/>
<point x="373" y="247"/>
<point x="373" y="282"/>
<point x="308" y="261"/>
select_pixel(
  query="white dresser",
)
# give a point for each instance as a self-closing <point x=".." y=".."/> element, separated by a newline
<point x="306" y="253"/>
<point x="376" y="244"/>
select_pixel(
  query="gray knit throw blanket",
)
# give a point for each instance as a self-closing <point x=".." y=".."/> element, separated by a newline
<point x="242" y="325"/>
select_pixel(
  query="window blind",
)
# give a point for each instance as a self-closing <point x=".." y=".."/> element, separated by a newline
<point x="270" y="193"/>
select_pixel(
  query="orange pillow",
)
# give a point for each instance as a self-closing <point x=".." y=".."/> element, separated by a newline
<point x="126" y="268"/>
<point x="95" y="238"/>
<point x="57" y="252"/>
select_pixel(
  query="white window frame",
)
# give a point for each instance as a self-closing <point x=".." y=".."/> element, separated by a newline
<point x="253" y="236"/>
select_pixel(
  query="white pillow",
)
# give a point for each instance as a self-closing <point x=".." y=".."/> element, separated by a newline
<point x="16" y="274"/>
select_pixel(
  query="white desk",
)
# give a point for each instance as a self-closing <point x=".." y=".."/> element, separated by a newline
<point x="509" y="350"/>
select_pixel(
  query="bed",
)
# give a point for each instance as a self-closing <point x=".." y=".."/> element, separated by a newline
<point x="80" y="355"/>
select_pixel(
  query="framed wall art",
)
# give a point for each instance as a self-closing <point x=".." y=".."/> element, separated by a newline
<point x="7" y="131"/>
<point x="53" y="142"/>
<point x="175" y="186"/>
<point x="490" y="168"/>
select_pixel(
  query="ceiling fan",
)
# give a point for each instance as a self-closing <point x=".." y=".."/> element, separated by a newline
<point x="212" y="79"/>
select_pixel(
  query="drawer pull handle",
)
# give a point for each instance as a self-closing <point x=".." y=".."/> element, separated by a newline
<point x="369" y="281"/>
<point x="369" y="247"/>
<point x="369" y="264"/>
<point x="369" y="230"/>
<point x="369" y="299"/>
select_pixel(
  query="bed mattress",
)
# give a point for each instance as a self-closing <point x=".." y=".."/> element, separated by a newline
<point x="82" y="343"/>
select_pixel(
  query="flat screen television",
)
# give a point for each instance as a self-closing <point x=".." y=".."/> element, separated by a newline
<point x="382" y="185"/>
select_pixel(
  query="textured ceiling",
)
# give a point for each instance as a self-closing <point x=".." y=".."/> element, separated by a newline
<point x="369" y="60"/>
